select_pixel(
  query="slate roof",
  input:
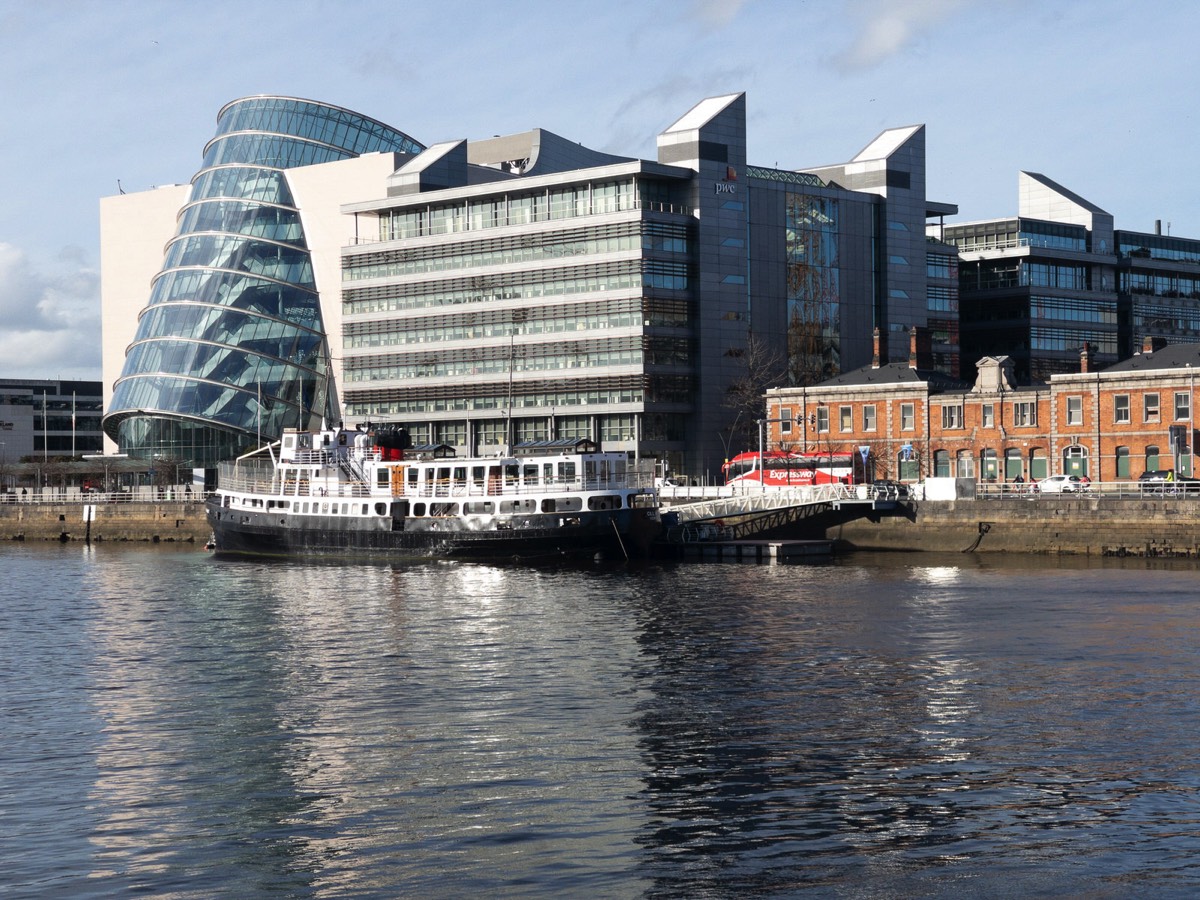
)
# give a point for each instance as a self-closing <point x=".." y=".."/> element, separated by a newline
<point x="896" y="373"/>
<point x="1173" y="356"/>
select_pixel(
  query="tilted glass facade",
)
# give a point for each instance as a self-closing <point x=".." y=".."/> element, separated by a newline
<point x="813" y="292"/>
<point x="231" y="344"/>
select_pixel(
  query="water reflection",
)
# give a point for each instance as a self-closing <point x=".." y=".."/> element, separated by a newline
<point x="892" y="726"/>
<point x="817" y="733"/>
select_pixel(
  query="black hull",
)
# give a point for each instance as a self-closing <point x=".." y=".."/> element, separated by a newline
<point x="613" y="536"/>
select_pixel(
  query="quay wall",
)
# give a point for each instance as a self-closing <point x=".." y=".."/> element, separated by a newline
<point x="1095" y="526"/>
<point x="1101" y="526"/>
<point x="125" y="521"/>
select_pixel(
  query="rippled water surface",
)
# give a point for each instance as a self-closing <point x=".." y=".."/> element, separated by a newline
<point x="883" y="726"/>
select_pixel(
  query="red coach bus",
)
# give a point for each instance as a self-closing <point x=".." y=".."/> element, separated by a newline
<point x="787" y="469"/>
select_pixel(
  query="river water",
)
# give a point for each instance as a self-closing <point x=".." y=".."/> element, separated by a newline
<point x="880" y="726"/>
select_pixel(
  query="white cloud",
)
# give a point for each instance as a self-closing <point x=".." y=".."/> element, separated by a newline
<point x="49" y="320"/>
<point x="718" y="13"/>
<point x="888" y="27"/>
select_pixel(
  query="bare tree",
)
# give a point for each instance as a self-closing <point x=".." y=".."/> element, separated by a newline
<point x="763" y="367"/>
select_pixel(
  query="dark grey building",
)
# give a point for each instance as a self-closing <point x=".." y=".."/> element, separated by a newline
<point x="1041" y="285"/>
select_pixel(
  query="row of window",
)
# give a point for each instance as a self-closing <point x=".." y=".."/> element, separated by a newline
<point x="585" y="317"/>
<point x="408" y="406"/>
<point x="441" y="367"/>
<point x="1033" y="464"/>
<point x="524" y="286"/>
<point x="607" y="427"/>
<point x="1024" y="414"/>
<point x="651" y="237"/>
<point x="1123" y="410"/>
<point x="494" y="212"/>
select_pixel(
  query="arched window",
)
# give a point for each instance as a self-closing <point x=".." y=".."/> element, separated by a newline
<point x="941" y="463"/>
<point x="1013" y="465"/>
<point x="1075" y="460"/>
<point x="1037" y="464"/>
<point x="989" y="465"/>
<point x="1151" y="458"/>
<point x="966" y="464"/>
<point x="1123" y="462"/>
<point x="908" y="465"/>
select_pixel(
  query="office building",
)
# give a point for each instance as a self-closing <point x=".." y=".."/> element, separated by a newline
<point x="48" y="419"/>
<point x="1058" y="276"/>
<point x="523" y="287"/>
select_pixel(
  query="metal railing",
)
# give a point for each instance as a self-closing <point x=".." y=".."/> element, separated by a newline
<point x="1129" y="490"/>
<point x="179" y="493"/>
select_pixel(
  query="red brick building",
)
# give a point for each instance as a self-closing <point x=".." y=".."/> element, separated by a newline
<point x="914" y="422"/>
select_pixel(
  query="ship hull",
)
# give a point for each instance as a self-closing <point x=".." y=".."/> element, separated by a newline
<point x="614" y="534"/>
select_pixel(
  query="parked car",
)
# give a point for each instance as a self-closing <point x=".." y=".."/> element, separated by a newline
<point x="1157" y="481"/>
<point x="1062" y="484"/>
<point x="1164" y="481"/>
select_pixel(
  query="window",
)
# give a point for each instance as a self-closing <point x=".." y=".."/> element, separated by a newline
<point x="989" y="415"/>
<point x="869" y="417"/>
<point x="989" y="465"/>
<point x="785" y="420"/>
<point x="1074" y="410"/>
<point x="941" y="464"/>
<point x="1025" y="413"/>
<point x="952" y="416"/>
<point x="965" y="464"/>
<point x="1183" y="406"/>
<point x="1151" y="458"/>
<point x="846" y="418"/>
<point x="1013" y="466"/>
<point x="1121" y="409"/>
<point x="908" y="417"/>
<point x="822" y="419"/>
<point x="1122" y="462"/>
<point x="1150" y="408"/>
<point x="1075" y="461"/>
<point x="1038" y="468"/>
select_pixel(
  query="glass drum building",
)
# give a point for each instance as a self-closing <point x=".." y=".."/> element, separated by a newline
<point x="232" y="342"/>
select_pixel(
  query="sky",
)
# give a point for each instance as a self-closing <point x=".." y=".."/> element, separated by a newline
<point x="105" y="95"/>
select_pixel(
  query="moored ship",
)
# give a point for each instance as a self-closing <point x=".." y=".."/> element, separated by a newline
<point x="351" y="493"/>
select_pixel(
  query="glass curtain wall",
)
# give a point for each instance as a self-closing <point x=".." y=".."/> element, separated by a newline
<point x="813" y="292"/>
<point x="231" y="346"/>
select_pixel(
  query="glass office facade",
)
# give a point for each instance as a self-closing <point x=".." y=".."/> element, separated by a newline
<point x="813" y="292"/>
<point x="231" y="344"/>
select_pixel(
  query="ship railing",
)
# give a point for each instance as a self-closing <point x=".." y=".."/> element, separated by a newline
<point x="496" y="488"/>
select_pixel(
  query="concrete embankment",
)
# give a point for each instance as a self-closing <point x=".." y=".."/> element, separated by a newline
<point x="136" y="521"/>
<point x="1096" y="526"/>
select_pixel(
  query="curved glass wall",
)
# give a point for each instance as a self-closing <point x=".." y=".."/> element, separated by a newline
<point x="231" y="346"/>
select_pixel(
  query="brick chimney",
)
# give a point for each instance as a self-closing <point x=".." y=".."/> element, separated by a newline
<point x="1086" y="355"/>
<point x="875" y="357"/>
<point x="920" y="349"/>
<point x="1147" y="344"/>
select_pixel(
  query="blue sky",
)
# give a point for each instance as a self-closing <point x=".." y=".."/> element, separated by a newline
<point x="1096" y="94"/>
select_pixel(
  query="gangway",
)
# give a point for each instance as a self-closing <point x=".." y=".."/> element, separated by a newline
<point x="758" y="511"/>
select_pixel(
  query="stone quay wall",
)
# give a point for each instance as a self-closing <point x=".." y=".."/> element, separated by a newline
<point x="111" y="521"/>
<point x="1096" y="526"/>
<point x="1093" y="526"/>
